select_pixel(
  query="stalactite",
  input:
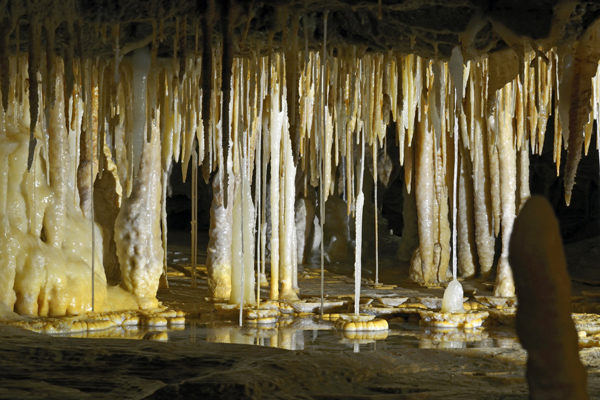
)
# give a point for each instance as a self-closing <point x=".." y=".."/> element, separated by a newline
<point x="466" y="224"/>
<point x="207" y="72"/>
<point x="226" y="66"/>
<point x="5" y="31"/>
<point x="88" y="141"/>
<point x="33" y="64"/>
<point x="585" y="65"/>
<point x="49" y="89"/>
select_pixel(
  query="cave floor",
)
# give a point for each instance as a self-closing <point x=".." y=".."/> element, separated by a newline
<point x="212" y="357"/>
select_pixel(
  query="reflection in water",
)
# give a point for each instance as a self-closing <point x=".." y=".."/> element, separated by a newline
<point x="161" y="333"/>
<point x="301" y="336"/>
<point x="297" y="327"/>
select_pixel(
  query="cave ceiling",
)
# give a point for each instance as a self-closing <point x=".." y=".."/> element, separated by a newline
<point x="428" y="28"/>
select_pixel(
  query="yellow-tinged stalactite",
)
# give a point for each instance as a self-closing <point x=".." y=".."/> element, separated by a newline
<point x="519" y="110"/>
<point x="587" y="134"/>
<point x="585" y="64"/>
<point x="531" y="94"/>
<point x="546" y="88"/>
<point x="523" y="191"/>
<point x="558" y="135"/>
<point x="410" y="69"/>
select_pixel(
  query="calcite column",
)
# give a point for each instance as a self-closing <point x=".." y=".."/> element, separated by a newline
<point x="422" y="267"/>
<point x="508" y="184"/>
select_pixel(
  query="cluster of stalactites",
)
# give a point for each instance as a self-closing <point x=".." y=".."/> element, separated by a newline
<point x="335" y="100"/>
<point x="345" y="99"/>
<point x="499" y="113"/>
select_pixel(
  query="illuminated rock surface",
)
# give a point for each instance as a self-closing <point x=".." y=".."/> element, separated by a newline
<point x="326" y="109"/>
<point x="280" y="103"/>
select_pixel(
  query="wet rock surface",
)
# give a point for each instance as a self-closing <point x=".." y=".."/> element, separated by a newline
<point x="84" y="368"/>
<point x="35" y="365"/>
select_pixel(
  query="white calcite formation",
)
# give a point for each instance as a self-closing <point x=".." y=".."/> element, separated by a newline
<point x="452" y="302"/>
<point x="47" y="248"/>
<point x="467" y="320"/>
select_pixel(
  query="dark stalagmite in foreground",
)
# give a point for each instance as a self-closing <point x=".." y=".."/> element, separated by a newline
<point x="544" y="322"/>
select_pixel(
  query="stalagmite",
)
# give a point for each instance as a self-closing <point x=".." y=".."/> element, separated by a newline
<point x="242" y="266"/>
<point x="137" y="228"/>
<point x="452" y="302"/>
<point x="218" y="252"/>
<point x="554" y="370"/>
